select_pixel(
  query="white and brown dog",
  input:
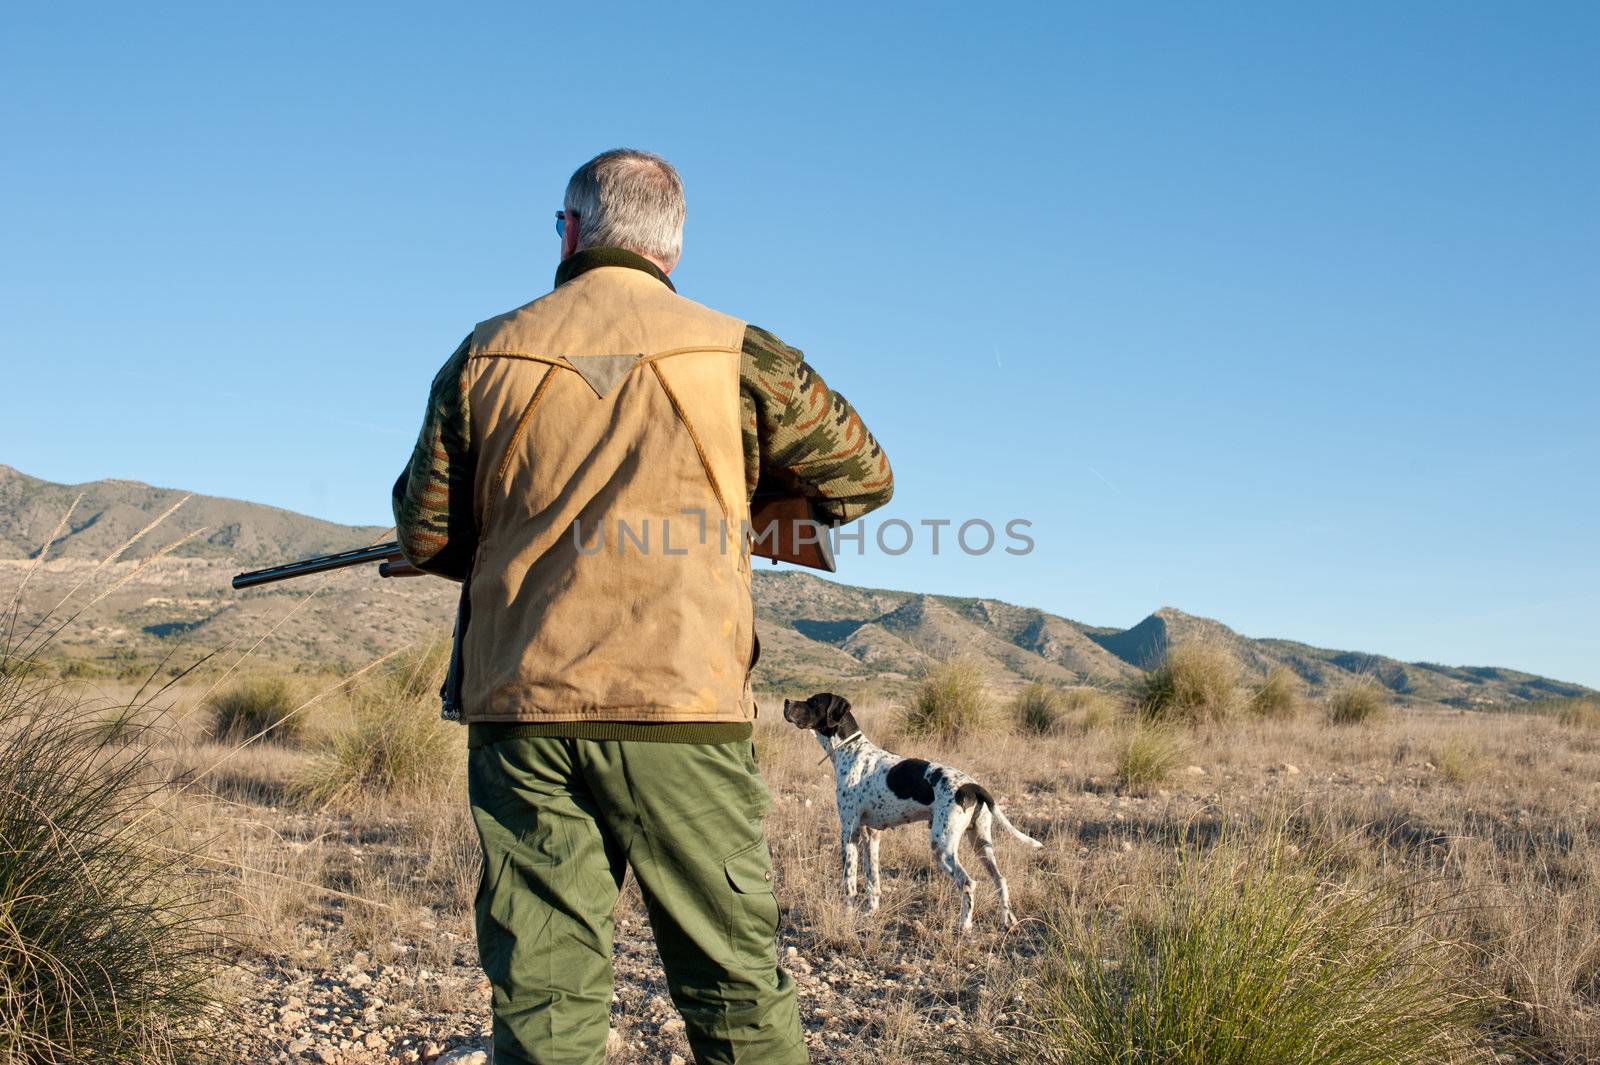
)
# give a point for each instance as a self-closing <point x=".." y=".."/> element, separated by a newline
<point x="878" y="790"/>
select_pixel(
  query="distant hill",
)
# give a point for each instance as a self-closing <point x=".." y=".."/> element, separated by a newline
<point x="112" y="511"/>
<point x="814" y="632"/>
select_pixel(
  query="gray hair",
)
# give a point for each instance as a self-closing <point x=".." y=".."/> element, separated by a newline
<point x="629" y="199"/>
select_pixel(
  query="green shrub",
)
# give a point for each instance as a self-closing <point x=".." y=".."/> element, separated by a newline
<point x="1277" y="697"/>
<point x="1040" y="709"/>
<point x="1358" y="702"/>
<point x="1194" y="682"/>
<point x="252" y="706"/>
<point x="952" y="700"/>
<point x="83" y="669"/>
<point x="391" y="743"/>
<point x="105" y="942"/>
<point x="1250" y="955"/>
<point x="1247" y="955"/>
<point x="1094" y="708"/>
<point x="1146" y="755"/>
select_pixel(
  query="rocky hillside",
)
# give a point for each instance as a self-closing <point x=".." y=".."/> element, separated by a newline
<point x="109" y="512"/>
<point x="814" y="632"/>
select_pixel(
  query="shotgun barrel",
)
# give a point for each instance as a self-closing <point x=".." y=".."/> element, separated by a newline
<point x="382" y="553"/>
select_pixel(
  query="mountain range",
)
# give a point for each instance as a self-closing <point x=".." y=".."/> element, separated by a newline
<point x="814" y="632"/>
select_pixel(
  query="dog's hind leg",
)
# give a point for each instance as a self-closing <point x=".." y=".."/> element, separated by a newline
<point x="870" y="864"/>
<point x="946" y="839"/>
<point x="983" y="833"/>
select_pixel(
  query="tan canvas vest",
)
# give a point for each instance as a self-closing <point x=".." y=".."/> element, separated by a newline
<point x="609" y="407"/>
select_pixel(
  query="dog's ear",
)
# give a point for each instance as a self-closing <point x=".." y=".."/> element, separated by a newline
<point x="833" y="707"/>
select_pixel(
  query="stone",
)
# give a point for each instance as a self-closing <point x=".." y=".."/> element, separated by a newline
<point x="1195" y="771"/>
<point x="465" y="1056"/>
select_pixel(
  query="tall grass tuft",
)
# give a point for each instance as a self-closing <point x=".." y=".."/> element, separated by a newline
<point x="1250" y="954"/>
<point x="253" y="706"/>
<point x="1040" y="709"/>
<point x="1277" y="697"/>
<point x="1146" y="755"/>
<point x="392" y="741"/>
<point x="1094" y="708"/>
<point x="952" y="701"/>
<point x="1458" y="762"/>
<point x="1195" y="682"/>
<point x="106" y="937"/>
<point x="1579" y="713"/>
<point x="1360" y="701"/>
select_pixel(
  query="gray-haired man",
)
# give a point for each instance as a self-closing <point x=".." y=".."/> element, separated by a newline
<point x="607" y="692"/>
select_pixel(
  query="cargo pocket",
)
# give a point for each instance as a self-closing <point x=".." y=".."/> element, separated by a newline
<point x="753" y="914"/>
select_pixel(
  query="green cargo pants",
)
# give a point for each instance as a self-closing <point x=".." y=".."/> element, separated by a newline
<point x="561" y="820"/>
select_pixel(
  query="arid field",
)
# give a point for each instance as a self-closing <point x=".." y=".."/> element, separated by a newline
<point x="343" y="880"/>
<point x="1255" y="852"/>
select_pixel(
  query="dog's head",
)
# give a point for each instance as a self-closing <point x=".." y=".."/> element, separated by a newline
<point x="824" y="713"/>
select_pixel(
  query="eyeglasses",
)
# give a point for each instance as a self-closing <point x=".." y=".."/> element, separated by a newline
<point x="561" y="223"/>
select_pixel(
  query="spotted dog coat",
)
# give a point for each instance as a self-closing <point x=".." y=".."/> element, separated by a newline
<point x="876" y="790"/>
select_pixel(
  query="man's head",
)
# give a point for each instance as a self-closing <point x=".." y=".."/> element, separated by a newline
<point x="626" y="199"/>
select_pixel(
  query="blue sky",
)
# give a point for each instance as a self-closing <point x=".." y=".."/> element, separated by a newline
<point x="1280" y="314"/>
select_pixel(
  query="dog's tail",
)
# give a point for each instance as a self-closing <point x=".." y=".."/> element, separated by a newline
<point x="980" y="793"/>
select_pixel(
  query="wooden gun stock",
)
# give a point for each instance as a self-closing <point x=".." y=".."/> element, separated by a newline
<point x="784" y="528"/>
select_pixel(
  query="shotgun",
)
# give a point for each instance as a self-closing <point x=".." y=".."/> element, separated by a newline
<point x="783" y="527"/>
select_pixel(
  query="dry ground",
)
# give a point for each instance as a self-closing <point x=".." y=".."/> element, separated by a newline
<point x="354" y="941"/>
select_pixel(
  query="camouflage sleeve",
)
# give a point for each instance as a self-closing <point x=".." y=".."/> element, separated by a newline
<point x="804" y="436"/>
<point x="433" y="515"/>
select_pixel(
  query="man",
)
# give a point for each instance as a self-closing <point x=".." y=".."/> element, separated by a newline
<point x="586" y="466"/>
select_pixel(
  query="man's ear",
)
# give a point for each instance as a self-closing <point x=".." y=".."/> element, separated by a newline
<point x="569" y="239"/>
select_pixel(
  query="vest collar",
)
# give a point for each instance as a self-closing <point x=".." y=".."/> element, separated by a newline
<point x="589" y="258"/>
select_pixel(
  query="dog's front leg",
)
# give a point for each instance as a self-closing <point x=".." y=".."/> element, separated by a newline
<point x="849" y="854"/>
<point x="870" y="861"/>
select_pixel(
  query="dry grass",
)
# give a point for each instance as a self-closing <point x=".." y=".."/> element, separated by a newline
<point x="1195" y="682"/>
<point x="262" y="706"/>
<point x="1147" y="755"/>
<point x="107" y="931"/>
<point x="1357" y="703"/>
<point x="1039" y="708"/>
<point x="1458" y="762"/>
<point x="1509" y="844"/>
<point x="1278" y="697"/>
<point x="1092" y="709"/>
<point x="953" y="700"/>
<point x="390" y="740"/>
<point x="1579" y="713"/>
<point x="1251" y="950"/>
